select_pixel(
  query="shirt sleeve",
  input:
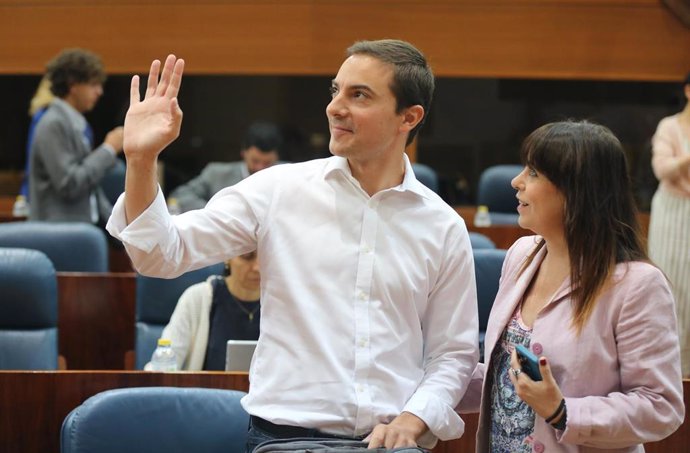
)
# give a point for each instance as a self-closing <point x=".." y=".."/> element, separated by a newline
<point x="666" y="153"/>
<point x="161" y="245"/>
<point x="649" y="405"/>
<point x="450" y="327"/>
<point x="182" y="328"/>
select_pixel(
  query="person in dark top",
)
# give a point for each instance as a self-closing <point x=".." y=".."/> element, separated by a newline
<point x="214" y="311"/>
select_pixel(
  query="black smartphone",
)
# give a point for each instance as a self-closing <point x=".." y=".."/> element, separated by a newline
<point x="529" y="362"/>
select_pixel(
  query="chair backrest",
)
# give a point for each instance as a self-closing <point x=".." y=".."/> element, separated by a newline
<point x="496" y="193"/>
<point x="157" y="420"/>
<point x="426" y="175"/>
<point x="487" y="269"/>
<point x="156" y="299"/>
<point x="480" y="241"/>
<point x="28" y="311"/>
<point x="113" y="182"/>
<point x="71" y="246"/>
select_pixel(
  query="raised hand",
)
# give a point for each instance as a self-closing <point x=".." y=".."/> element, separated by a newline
<point x="152" y="124"/>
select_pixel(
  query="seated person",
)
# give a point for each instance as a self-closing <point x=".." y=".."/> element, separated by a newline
<point x="259" y="150"/>
<point x="210" y="313"/>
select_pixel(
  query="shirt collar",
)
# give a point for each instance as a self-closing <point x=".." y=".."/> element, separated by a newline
<point x="337" y="164"/>
<point x="76" y="118"/>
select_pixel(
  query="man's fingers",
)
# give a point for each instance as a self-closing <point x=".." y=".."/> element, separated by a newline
<point x="375" y="438"/>
<point x="153" y="78"/>
<point x="176" y="79"/>
<point x="134" y="91"/>
<point x="166" y="75"/>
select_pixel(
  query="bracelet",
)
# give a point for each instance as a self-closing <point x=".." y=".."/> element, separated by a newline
<point x="560" y="424"/>
<point x="558" y="411"/>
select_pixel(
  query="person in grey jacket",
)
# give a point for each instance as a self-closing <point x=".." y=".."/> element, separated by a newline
<point x="260" y="149"/>
<point x="65" y="170"/>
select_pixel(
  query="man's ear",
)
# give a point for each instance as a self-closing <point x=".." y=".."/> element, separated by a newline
<point x="412" y="116"/>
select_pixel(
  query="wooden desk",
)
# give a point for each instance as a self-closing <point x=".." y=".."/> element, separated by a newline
<point x="505" y="235"/>
<point x="502" y="235"/>
<point x="34" y="404"/>
<point x="96" y="318"/>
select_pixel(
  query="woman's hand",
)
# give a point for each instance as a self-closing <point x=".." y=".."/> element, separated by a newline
<point x="544" y="397"/>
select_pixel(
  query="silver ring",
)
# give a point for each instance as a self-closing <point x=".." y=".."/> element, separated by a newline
<point x="516" y="373"/>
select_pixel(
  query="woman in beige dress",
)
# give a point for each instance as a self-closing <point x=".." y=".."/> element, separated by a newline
<point x="669" y="227"/>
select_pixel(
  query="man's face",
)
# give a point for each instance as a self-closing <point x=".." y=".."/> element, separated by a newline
<point x="361" y="114"/>
<point x="257" y="160"/>
<point x="83" y="96"/>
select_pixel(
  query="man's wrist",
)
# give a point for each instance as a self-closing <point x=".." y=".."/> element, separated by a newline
<point x="413" y="423"/>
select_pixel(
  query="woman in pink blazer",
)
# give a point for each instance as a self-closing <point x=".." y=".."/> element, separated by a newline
<point x="583" y="297"/>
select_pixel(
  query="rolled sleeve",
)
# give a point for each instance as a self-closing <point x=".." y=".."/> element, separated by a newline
<point x="442" y="420"/>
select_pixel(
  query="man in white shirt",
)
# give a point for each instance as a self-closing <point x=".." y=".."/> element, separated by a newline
<point x="369" y="312"/>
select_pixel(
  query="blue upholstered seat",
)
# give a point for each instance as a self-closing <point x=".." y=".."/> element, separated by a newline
<point x="157" y="420"/>
<point x="487" y="267"/>
<point x="155" y="302"/>
<point x="71" y="246"/>
<point x="496" y="193"/>
<point x="28" y="311"/>
<point x="480" y="241"/>
<point x="426" y="175"/>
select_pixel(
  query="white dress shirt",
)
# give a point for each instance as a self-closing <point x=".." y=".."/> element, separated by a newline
<point x="368" y="303"/>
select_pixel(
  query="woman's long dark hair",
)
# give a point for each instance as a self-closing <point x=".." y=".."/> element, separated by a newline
<point x="587" y="164"/>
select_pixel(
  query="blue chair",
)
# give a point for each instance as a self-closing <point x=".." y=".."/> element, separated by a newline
<point x="480" y="241"/>
<point x="71" y="246"/>
<point x="113" y="182"/>
<point x="496" y="193"/>
<point x="426" y="175"/>
<point x="157" y="420"/>
<point x="156" y="299"/>
<point x="28" y="311"/>
<point x="487" y="269"/>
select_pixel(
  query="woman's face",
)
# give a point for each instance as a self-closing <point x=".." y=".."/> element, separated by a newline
<point x="245" y="269"/>
<point x="540" y="204"/>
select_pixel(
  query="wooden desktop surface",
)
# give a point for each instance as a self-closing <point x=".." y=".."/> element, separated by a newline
<point x="33" y="405"/>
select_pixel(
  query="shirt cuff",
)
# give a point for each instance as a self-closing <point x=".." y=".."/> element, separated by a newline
<point x="109" y="148"/>
<point x="145" y="229"/>
<point x="442" y="420"/>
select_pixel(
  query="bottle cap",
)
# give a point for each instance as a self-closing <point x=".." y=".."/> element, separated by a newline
<point x="483" y="208"/>
<point x="163" y="342"/>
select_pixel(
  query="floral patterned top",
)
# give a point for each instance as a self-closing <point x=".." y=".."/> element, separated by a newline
<point x="512" y="420"/>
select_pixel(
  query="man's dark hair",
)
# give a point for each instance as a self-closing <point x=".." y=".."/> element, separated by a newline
<point x="263" y="135"/>
<point x="74" y="66"/>
<point x="413" y="80"/>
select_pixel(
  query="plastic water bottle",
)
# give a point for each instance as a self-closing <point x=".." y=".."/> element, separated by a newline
<point x="482" y="217"/>
<point x="20" y="207"/>
<point x="163" y="358"/>
<point x="174" y="206"/>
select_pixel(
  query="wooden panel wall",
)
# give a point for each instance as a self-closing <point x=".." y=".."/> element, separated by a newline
<point x="586" y="39"/>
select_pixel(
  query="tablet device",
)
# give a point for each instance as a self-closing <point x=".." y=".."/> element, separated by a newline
<point x="238" y="354"/>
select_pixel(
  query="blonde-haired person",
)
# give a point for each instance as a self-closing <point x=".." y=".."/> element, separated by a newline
<point x="583" y="296"/>
<point x="210" y="313"/>
<point x="37" y="107"/>
<point x="669" y="225"/>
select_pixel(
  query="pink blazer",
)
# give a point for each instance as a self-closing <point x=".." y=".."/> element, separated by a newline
<point x="620" y="377"/>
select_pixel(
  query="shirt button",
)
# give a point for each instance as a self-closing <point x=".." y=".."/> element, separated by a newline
<point x="362" y="296"/>
<point x="362" y="343"/>
<point x="538" y="447"/>
<point x="537" y="348"/>
<point x="360" y="389"/>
